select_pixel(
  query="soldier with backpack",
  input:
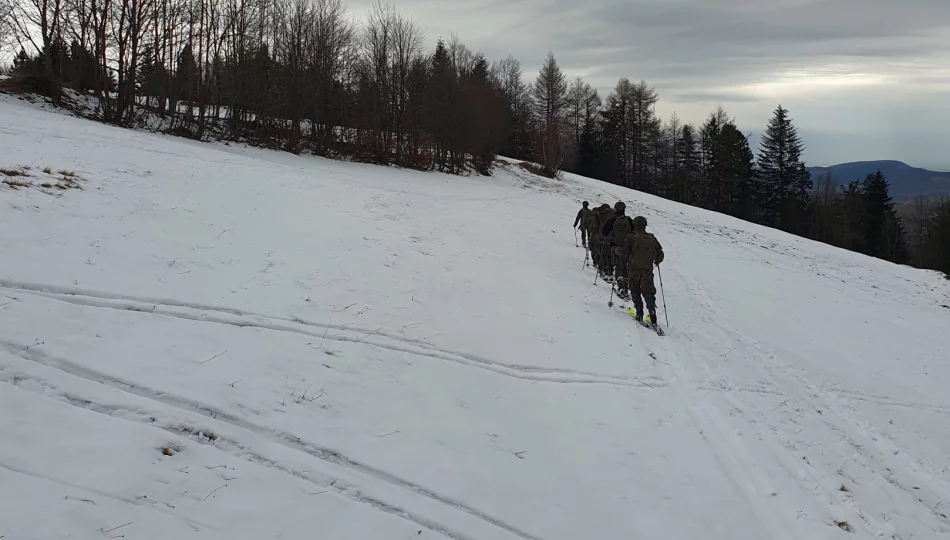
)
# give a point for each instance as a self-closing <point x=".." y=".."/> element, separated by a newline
<point x="641" y="251"/>
<point x="582" y="221"/>
<point x="604" y="263"/>
<point x="616" y="230"/>
<point x="598" y="216"/>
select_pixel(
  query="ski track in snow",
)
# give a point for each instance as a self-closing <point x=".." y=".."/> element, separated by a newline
<point x="285" y="439"/>
<point x="200" y="313"/>
<point x="896" y="472"/>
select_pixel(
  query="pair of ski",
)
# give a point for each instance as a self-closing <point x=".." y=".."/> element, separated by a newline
<point x="651" y="325"/>
<point x="633" y="314"/>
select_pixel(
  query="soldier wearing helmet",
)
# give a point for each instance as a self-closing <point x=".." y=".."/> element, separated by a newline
<point x="641" y="251"/>
<point x="598" y="243"/>
<point x="582" y="221"/>
<point x="616" y="230"/>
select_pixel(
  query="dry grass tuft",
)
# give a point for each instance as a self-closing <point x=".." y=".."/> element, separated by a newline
<point x="171" y="449"/>
<point x="210" y="435"/>
<point x="844" y="526"/>
<point x="16" y="183"/>
<point x="13" y="172"/>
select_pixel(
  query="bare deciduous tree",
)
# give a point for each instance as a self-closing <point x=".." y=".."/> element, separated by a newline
<point x="6" y="28"/>
<point x="549" y="96"/>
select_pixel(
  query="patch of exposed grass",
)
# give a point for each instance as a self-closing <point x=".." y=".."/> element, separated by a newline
<point x="172" y="448"/>
<point x="844" y="526"/>
<point x="15" y="184"/>
<point x="210" y="435"/>
<point x="13" y="178"/>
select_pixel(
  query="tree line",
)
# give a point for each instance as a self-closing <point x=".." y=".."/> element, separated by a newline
<point x="292" y="74"/>
<point x="300" y="75"/>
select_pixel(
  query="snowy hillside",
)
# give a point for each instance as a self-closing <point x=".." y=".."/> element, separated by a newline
<point x="211" y="341"/>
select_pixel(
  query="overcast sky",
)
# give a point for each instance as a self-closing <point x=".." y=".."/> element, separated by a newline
<point x="863" y="79"/>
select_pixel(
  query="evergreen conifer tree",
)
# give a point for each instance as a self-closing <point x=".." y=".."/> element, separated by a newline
<point x="784" y="181"/>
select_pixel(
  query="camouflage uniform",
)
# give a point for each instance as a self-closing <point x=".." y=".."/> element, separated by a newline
<point x="596" y="242"/>
<point x="615" y="230"/>
<point x="604" y="263"/>
<point x="583" y="221"/>
<point x="641" y="251"/>
<point x="622" y="228"/>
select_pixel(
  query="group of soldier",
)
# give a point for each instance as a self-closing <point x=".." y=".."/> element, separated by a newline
<point x="623" y="252"/>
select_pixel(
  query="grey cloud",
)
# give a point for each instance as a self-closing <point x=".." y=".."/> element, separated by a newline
<point x="710" y="96"/>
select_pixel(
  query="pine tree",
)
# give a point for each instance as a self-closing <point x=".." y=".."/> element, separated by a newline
<point x="443" y="99"/>
<point x="883" y="232"/>
<point x="850" y="213"/>
<point x="588" y="153"/>
<point x="738" y="162"/>
<point x="688" y="167"/>
<point x="21" y="61"/>
<point x="186" y="75"/>
<point x="783" y="180"/>
<point x="711" y="188"/>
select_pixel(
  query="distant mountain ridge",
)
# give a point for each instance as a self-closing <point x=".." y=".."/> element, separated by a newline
<point x="906" y="181"/>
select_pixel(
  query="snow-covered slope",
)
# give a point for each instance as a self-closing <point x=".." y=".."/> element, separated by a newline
<point x="343" y="351"/>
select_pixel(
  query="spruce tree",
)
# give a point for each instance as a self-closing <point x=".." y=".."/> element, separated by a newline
<point x="738" y="164"/>
<point x="850" y="213"/>
<point x="784" y="181"/>
<point x="588" y="152"/>
<point x="883" y="232"/>
<point x="21" y="61"/>
<point x="443" y="100"/>
<point x="688" y="167"/>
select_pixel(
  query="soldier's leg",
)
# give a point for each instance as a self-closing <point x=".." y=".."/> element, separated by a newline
<point x="633" y="280"/>
<point x="649" y="293"/>
<point x="608" y="257"/>
<point x="602" y="255"/>
<point x="620" y="271"/>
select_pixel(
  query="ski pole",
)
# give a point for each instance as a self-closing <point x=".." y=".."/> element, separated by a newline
<point x="586" y="255"/>
<point x="663" y="294"/>
<point x="596" y="272"/>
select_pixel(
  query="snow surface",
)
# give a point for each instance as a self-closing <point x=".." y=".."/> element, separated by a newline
<point x="345" y="351"/>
